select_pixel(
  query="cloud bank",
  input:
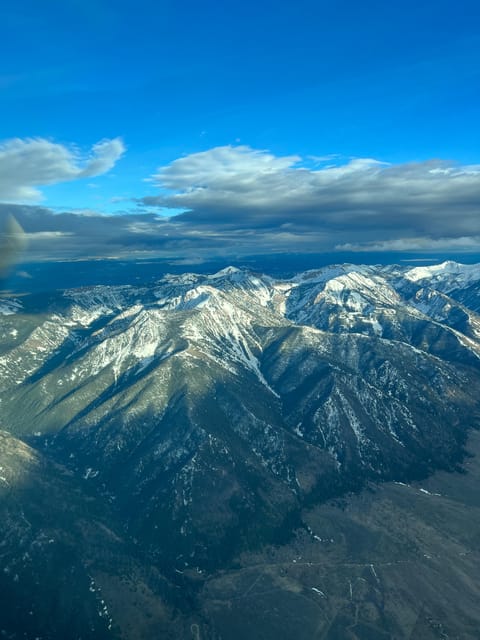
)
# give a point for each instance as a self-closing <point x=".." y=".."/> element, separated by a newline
<point x="235" y="201"/>
<point x="26" y="164"/>
<point x="362" y="204"/>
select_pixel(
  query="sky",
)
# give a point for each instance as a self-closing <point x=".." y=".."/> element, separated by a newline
<point x="193" y="129"/>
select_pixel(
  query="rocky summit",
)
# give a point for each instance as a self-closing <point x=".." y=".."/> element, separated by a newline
<point x="157" y="438"/>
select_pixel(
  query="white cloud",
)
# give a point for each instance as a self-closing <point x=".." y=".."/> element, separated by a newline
<point x="245" y="178"/>
<point x="103" y="157"/>
<point x="26" y="164"/>
<point x="218" y="166"/>
<point x="223" y="174"/>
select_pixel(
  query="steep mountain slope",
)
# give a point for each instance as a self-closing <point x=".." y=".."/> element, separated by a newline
<point x="62" y="556"/>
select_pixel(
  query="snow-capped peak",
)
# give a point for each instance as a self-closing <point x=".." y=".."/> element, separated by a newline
<point x="465" y="272"/>
<point x="228" y="271"/>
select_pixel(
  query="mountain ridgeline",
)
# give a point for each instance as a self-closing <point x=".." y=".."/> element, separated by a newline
<point x="199" y="417"/>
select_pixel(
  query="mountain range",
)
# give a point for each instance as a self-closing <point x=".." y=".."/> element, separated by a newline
<point x="160" y="442"/>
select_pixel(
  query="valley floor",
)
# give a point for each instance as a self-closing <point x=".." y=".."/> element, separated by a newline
<point x="393" y="562"/>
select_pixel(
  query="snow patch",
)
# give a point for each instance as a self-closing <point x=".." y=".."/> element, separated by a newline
<point x="9" y="307"/>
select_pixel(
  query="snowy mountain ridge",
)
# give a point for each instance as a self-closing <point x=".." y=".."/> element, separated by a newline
<point x="273" y="391"/>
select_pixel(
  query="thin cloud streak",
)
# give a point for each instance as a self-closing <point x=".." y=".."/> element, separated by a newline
<point x="462" y="244"/>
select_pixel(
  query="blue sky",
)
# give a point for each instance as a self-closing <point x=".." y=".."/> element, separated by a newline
<point x="244" y="85"/>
